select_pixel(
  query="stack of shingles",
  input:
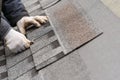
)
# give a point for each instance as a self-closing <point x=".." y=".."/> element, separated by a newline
<point x="3" y="70"/>
<point x="53" y="42"/>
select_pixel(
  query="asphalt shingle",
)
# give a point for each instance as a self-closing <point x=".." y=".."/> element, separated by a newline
<point x="42" y="43"/>
<point x="72" y="25"/>
<point x="20" y="68"/>
<point x="15" y="59"/>
<point x="48" y="3"/>
<point x="39" y="32"/>
<point x="30" y="75"/>
<point x="71" y="67"/>
<point x="40" y="59"/>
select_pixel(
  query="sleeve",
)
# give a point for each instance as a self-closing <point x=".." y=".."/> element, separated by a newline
<point x="4" y="28"/>
<point x="13" y="10"/>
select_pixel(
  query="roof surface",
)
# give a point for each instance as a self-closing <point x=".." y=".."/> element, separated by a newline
<point x="71" y="24"/>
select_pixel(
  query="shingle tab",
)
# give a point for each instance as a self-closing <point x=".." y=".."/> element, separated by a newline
<point x="71" y="67"/>
<point x="15" y="59"/>
<point x="4" y="75"/>
<point x="51" y="60"/>
<point x="30" y="75"/>
<point x="3" y="69"/>
<point x="39" y="32"/>
<point x="33" y="8"/>
<point x="28" y="3"/>
<point x="38" y="11"/>
<point x="48" y="3"/>
<point x="44" y="41"/>
<point x="20" y="68"/>
<point x="39" y="59"/>
<point x="2" y="57"/>
<point x="3" y="62"/>
<point x="2" y="52"/>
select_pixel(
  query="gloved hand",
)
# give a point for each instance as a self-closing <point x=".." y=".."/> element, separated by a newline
<point x="16" y="42"/>
<point x="24" y="22"/>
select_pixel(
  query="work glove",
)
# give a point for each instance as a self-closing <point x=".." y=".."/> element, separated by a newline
<point x="16" y="42"/>
<point x="26" y="21"/>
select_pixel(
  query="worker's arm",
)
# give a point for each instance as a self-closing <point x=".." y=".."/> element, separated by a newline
<point x="14" y="40"/>
<point x="13" y="10"/>
<point x="4" y="28"/>
<point x="16" y="14"/>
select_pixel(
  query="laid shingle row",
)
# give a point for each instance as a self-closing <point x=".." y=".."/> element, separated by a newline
<point x="33" y="7"/>
<point x="15" y="59"/>
<point x="3" y="69"/>
<point x="20" y="68"/>
<point x="19" y="64"/>
<point x="30" y="75"/>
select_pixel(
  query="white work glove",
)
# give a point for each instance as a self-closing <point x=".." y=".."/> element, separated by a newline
<point x="16" y="42"/>
<point x="26" y="21"/>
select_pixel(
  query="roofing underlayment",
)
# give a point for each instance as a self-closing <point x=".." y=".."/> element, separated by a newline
<point x="70" y="45"/>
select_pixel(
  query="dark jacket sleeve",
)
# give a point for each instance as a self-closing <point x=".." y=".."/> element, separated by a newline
<point x="4" y="28"/>
<point x="13" y="10"/>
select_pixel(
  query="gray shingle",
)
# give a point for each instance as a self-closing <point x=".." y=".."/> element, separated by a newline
<point x="3" y="69"/>
<point x="44" y="51"/>
<point x="2" y="52"/>
<point x="71" y="67"/>
<point x="87" y="5"/>
<point x="5" y="79"/>
<point x="20" y="68"/>
<point x="8" y="52"/>
<point x="2" y="57"/>
<point x="48" y="3"/>
<point x="51" y="60"/>
<point x="3" y="62"/>
<point x="102" y="55"/>
<point x="48" y="48"/>
<point x="38" y="11"/>
<point x="39" y="32"/>
<point x="30" y="75"/>
<point x="33" y="7"/>
<point x="15" y="59"/>
<point x="39" y="59"/>
<point x="44" y="41"/>
<point x="4" y="75"/>
<point x="29" y="2"/>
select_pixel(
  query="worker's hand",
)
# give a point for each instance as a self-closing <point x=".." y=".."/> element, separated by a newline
<point x="26" y="21"/>
<point x="16" y="42"/>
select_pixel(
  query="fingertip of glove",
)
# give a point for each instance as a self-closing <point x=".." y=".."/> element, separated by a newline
<point x="31" y="42"/>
